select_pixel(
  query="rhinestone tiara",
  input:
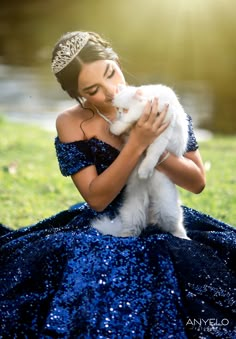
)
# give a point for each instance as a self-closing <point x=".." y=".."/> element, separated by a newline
<point x="68" y="50"/>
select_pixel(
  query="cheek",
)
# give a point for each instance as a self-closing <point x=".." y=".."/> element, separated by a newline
<point x="96" y="99"/>
<point x="120" y="78"/>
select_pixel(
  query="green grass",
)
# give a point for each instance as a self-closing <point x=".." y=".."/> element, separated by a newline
<point x="219" y="196"/>
<point x="37" y="190"/>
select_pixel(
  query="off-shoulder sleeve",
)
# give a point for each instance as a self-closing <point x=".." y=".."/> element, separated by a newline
<point x="73" y="156"/>
<point x="192" y="141"/>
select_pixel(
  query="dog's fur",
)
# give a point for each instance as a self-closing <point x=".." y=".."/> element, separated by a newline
<point x="150" y="196"/>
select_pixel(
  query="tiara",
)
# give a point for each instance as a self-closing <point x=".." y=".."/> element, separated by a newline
<point x="68" y="50"/>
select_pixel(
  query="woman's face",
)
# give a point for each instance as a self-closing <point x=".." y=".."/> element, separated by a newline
<point x="98" y="83"/>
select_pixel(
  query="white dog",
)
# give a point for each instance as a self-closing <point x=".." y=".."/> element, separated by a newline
<point x="150" y="196"/>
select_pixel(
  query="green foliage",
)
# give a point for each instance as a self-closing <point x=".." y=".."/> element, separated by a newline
<point x="32" y="187"/>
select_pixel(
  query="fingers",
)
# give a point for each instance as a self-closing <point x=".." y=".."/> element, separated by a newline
<point x="146" y="113"/>
<point x="161" y="128"/>
<point x="160" y="117"/>
<point x="160" y="124"/>
<point x="154" y="114"/>
<point x="151" y="113"/>
<point x="151" y="123"/>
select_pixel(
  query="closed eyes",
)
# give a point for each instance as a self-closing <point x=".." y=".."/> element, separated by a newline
<point x="112" y="73"/>
<point x="109" y="77"/>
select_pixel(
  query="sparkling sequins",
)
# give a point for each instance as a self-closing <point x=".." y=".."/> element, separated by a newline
<point x="73" y="282"/>
<point x="63" y="279"/>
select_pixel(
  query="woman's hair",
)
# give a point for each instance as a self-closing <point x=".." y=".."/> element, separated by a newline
<point x="95" y="49"/>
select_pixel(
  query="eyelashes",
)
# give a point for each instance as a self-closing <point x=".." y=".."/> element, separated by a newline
<point x="112" y="73"/>
<point x="94" y="92"/>
<point x="109" y="77"/>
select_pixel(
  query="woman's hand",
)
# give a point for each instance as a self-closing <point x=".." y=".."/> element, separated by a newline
<point x="150" y="125"/>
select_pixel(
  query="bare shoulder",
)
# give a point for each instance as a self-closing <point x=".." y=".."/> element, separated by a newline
<point x="68" y="122"/>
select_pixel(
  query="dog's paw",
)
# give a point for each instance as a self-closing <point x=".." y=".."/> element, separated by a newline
<point x="144" y="172"/>
<point x="118" y="127"/>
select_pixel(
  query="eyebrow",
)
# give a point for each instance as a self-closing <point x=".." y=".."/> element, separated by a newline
<point x="89" y="87"/>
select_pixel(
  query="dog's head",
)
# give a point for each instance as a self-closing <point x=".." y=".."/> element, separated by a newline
<point x="126" y="97"/>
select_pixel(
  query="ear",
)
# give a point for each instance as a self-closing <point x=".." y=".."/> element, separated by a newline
<point x="120" y="87"/>
<point x="138" y="94"/>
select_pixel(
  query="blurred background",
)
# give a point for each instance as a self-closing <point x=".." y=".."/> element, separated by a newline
<point x="188" y="45"/>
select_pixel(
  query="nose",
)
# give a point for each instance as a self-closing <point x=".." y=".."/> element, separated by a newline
<point x="110" y="91"/>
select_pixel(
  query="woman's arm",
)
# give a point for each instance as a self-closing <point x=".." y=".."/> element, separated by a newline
<point x="100" y="190"/>
<point x="187" y="171"/>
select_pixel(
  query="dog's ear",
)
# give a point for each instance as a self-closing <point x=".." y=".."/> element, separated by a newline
<point x="120" y="87"/>
<point x="138" y="94"/>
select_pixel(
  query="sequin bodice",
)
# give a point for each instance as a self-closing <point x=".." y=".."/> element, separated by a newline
<point x="77" y="155"/>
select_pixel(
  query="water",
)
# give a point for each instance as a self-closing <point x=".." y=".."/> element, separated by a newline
<point x="26" y="96"/>
<point x="189" y="46"/>
<point x="29" y="97"/>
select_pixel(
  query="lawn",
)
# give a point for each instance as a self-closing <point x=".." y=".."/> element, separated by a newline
<point x="219" y="196"/>
<point x="32" y="187"/>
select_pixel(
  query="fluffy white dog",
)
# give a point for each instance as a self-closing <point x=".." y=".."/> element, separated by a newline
<point x="150" y="196"/>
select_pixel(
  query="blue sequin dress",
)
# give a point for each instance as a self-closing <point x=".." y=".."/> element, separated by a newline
<point x="63" y="279"/>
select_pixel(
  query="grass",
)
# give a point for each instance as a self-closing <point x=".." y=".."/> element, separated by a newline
<point x="219" y="196"/>
<point x="32" y="187"/>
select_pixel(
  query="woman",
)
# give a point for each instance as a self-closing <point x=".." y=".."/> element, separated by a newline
<point x="63" y="279"/>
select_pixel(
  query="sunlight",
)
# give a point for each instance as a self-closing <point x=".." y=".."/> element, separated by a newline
<point x="182" y="32"/>
<point x="199" y="32"/>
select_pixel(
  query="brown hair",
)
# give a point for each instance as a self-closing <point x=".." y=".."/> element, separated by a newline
<point x="95" y="49"/>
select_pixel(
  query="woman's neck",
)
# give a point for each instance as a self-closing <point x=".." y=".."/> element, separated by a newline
<point x="108" y="115"/>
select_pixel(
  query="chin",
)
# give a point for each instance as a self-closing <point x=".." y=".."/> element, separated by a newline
<point x="107" y="107"/>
